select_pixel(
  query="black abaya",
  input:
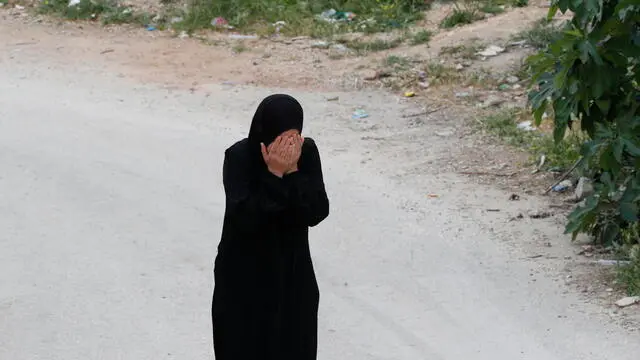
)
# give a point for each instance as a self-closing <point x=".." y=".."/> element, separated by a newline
<point x="265" y="302"/>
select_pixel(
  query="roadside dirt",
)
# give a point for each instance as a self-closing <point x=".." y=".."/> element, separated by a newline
<point x="439" y="136"/>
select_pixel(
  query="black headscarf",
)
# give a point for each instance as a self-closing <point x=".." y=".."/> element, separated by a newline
<point x="275" y="115"/>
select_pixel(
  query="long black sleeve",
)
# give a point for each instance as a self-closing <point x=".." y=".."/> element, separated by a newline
<point x="307" y="195"/>
<point x="251" y="202"/>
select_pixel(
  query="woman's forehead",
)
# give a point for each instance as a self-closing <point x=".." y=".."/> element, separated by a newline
<point x="291" y="131"/>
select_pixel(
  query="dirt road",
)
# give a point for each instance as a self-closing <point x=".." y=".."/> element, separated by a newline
<point x="111" y="207"/>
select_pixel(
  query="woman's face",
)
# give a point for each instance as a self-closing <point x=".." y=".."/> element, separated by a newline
<point x="290" y="133"/>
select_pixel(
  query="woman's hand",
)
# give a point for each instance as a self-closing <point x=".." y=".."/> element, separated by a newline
<point x="277" y="156"/>
<point x="295" y="152"/>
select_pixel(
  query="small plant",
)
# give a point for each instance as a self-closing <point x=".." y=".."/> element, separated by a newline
<point x="421" y="37"/>
<point x="460" y="16"/>
<point x="304" y="17"/>
<point x="504" y="125"/>
<point x="397" y="61"/>
<point x="467" y="51"/>
<point x="520" y="3"/>
<point x="84" y="10"/>
<point x="239" y="48"/>
<point x="467" y="12"/>
<point x="107" y="11"/>
<point x="439" y="74"/>
<point x="543" y="33"/>
<point x="491" y="8"/>
<point x="630" y="274"/>
<point x="362" y="47"/>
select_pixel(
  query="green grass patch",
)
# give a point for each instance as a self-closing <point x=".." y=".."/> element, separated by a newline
<point x="106" y="11"/>
<point x="439" y="74"/>
<point x="491" y="8"/>
<point x="239" y="48"/>
<point x="366" y="46"/>
<point x="629" y="275"/>
<point x="303" y="17"/>
<point x="461" y="16"/>
<point x="520" y="3"/>
<point x="467" y="51"/>
<point x="541" y="34"/>
<point x="399" y="62"/>
<point x="421" y="37"/>
<point x="504" y="126"/>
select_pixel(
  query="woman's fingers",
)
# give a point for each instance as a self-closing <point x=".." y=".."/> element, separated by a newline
<point x="265" y="153"/>
<point x="298" y="147"/>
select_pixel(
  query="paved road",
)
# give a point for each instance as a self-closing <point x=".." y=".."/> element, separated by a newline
<point x="110" y="213"/>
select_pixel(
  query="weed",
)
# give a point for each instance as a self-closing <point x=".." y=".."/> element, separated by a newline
<point x="363" y="47"/>
<point x="439" y="74"/>
<point x="397" y="61"/>
<point x="482" y="78"/>
<point x="541" y="34"/>
<point x="461" y="16"/>
<point x="85" y="10"/>
<point x="408" y="73"/>
<point x="504" y="125"/>
<point x="239" y="48"/>
<point x="301" y="17"/>
<point x="630" y="274"/>
<point x="108" y="11"/>
<point x="421" y="37"/>
<point x="467" y="51"/>
<point x="491" y="8"/>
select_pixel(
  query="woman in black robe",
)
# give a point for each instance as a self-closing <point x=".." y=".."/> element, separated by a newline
<point x="265" y="301"/>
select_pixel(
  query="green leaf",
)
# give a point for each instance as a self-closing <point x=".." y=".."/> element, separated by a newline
<point x="610" y="233"/>
<point x="606" y="179"/>
<point x="539" y="113"/>
<point x="589" y="149"/>
<point x="579" y="216"/>
<point x="559" y="131"/>
<point x="631" y="147"/>
<point x="604" y="105"/>
<point x="562" y="5"/>
<point x="629" y="211"/>
<point x="608" y="160"/>
<point x="618" y="148"/>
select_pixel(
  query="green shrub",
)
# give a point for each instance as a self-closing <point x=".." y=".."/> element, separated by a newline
<point x="302" y="16"/>
<point x="562" y="155"/>
<point x="85" y="10"/>
<point x="590" y="76"/>
<point x="421" y="37"/>
<point x="106" y="11"/>
<point x="542" y="34"/>
<point x="630" y="274"/>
